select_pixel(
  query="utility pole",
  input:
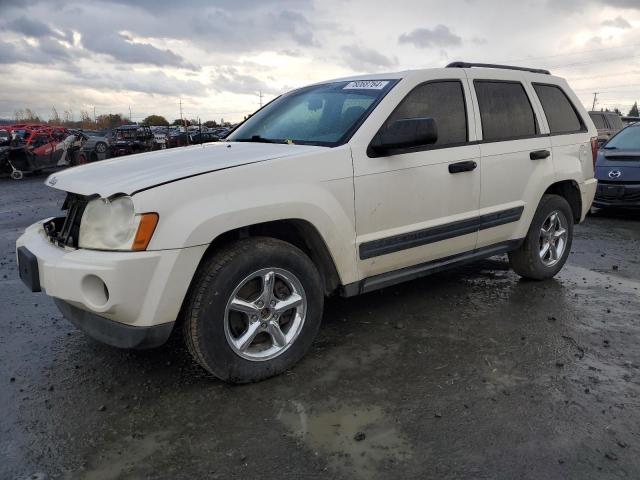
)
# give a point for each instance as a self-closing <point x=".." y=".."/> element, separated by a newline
<point x="595" y="99"/>
<point x="184" y="123"/>
<point x="95" y="119"/>
<point x="260" y="95"/>
<point x="130" y="116"/>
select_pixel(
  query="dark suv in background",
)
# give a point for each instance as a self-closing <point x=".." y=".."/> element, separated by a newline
<point x="607" y="123"/>
<point x="618" y="170"/>
<point x="130" y="139"/>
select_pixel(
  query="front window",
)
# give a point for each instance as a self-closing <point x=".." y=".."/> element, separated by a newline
<point x="627" y="139"/>
<point x="324" y="115"/>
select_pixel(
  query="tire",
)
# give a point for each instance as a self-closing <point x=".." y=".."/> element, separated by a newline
<point x="250" y="271"/>
<point x="527" y="260"/>
<point x="101" y="147"/>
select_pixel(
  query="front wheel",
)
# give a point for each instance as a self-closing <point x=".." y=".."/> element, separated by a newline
<point x="253" y="311"/>
<point x="546" y="247"/>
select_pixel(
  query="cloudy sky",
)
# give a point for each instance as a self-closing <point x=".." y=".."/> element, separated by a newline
<point x="216" y="56"/>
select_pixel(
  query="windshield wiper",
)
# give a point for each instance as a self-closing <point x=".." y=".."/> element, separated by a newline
<point x="610" y="148"/>
<point x="258" y="139"/>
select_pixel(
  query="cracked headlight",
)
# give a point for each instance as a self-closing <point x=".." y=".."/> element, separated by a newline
<point x="112" y="224"/>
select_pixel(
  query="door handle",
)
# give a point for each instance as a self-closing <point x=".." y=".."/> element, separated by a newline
<point x="539" y="154"/>
<point x="462" y="166"/>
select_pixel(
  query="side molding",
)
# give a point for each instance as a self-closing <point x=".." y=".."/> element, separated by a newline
<point x="426" y="236"/>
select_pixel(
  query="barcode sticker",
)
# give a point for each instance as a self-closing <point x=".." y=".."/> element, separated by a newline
<point x="366" y="85"/>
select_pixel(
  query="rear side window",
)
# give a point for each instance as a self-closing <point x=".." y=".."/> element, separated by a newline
<point x="615" y="121"/>
<point x="598" y="120"/>
<point x="505" y="110"/>
<point x="444" y="102"/>
<point x="560" y="112"/>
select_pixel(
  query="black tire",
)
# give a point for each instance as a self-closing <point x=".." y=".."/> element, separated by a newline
<point x="526" y="260"/>
<point x="212" y="288"/>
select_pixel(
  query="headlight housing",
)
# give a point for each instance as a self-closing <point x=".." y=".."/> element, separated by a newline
<point x="112" y="224"/>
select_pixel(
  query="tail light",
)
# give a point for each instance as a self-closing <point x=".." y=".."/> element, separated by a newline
<point x="594" y="149"/>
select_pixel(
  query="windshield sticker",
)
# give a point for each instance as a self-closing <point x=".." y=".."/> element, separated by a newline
<point x="366" y="85"/>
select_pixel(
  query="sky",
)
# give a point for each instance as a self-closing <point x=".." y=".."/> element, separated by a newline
<point x="221" y="58"/>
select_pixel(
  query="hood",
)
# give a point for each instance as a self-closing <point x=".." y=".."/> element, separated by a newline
<point x="133" y="173"/>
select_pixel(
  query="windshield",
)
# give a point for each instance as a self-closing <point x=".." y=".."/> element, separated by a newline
<point x="627" y="139"/>
<point x="326" y="114"/>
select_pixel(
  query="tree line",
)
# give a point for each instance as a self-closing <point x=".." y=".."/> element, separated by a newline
<point x="104" y="121"/>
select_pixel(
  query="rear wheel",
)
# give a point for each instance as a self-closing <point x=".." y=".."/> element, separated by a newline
<point x="254" y="310"/>
<point x="548" y="242"/>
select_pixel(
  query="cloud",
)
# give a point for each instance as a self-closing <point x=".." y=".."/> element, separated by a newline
<point x="124" y="49"/>
<point x="153" y="82"/>
<point x="440" y="36"/>
<point x="229" y="79"/>
<point x="360" y="58"/>
<point x="47" y="51"/>
<point x="30" y="28"/>
<point x="617" y="22"/>
<point x="297" y="26"/>
<point x="629" y="4"/>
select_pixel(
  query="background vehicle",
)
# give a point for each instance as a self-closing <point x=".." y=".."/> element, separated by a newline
<point x="161" y="140"/>
<point x="96" y="142"/>
<point x="42" y="151"/>
<point x="129" y="139"/>
<point x="607" y="123"/>
<point x="203" y="137"/>
<point x="5" y="138"/>
<point x="344" y="187"/>
<point x="618" y="170"/>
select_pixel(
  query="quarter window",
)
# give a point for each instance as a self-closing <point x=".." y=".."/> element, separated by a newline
<point x="598" y="121"/>
<point x="444" y="102"/>
<point x="560" y="112"/>
<point x="505" y="111"/>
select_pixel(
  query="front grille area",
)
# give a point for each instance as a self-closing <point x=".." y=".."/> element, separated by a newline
<point x="612" y="192"/>
<point x="65" y="231"/>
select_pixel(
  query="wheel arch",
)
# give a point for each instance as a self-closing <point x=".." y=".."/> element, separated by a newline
<point x="300" y="233"/>
<point x="570" y="191"/>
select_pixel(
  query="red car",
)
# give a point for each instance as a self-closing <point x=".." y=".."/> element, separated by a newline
<point x="35" y="147"/>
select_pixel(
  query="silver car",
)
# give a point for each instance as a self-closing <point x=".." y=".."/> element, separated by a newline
<point x="96" y="141"/>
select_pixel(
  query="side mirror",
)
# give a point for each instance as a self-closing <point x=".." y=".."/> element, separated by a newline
<point x="405" y="133"/>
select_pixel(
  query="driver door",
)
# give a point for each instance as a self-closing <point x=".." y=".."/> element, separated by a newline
<point x="421" y="204"/>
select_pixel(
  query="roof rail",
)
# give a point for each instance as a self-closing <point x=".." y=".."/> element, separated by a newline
<point x="491" y="65"/>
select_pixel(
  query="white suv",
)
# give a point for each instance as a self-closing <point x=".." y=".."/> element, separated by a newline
<point x="342" y="187"/>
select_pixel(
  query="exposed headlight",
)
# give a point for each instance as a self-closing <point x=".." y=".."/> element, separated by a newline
<point x="114" y="225"/>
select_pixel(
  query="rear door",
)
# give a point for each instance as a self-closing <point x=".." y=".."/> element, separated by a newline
<point x="515" y="155"/>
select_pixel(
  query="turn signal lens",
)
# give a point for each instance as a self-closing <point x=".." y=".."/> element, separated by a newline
<point x="147" y="226"/>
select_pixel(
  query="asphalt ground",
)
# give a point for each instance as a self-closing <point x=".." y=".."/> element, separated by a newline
<point x="471" y="373"/>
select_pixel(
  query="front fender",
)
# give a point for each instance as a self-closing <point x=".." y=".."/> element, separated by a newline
<point x="317" y="188"/>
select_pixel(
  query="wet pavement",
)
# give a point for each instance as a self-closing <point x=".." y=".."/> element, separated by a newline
<point x="471" y="373"/>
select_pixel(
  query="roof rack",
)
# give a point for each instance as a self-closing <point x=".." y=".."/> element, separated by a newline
<point x="491" y="65"/>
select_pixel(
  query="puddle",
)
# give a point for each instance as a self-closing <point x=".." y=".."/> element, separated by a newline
<point x="589" y="278"/>
<point x="115" y="464"/>
<point x="331" y="432"/>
